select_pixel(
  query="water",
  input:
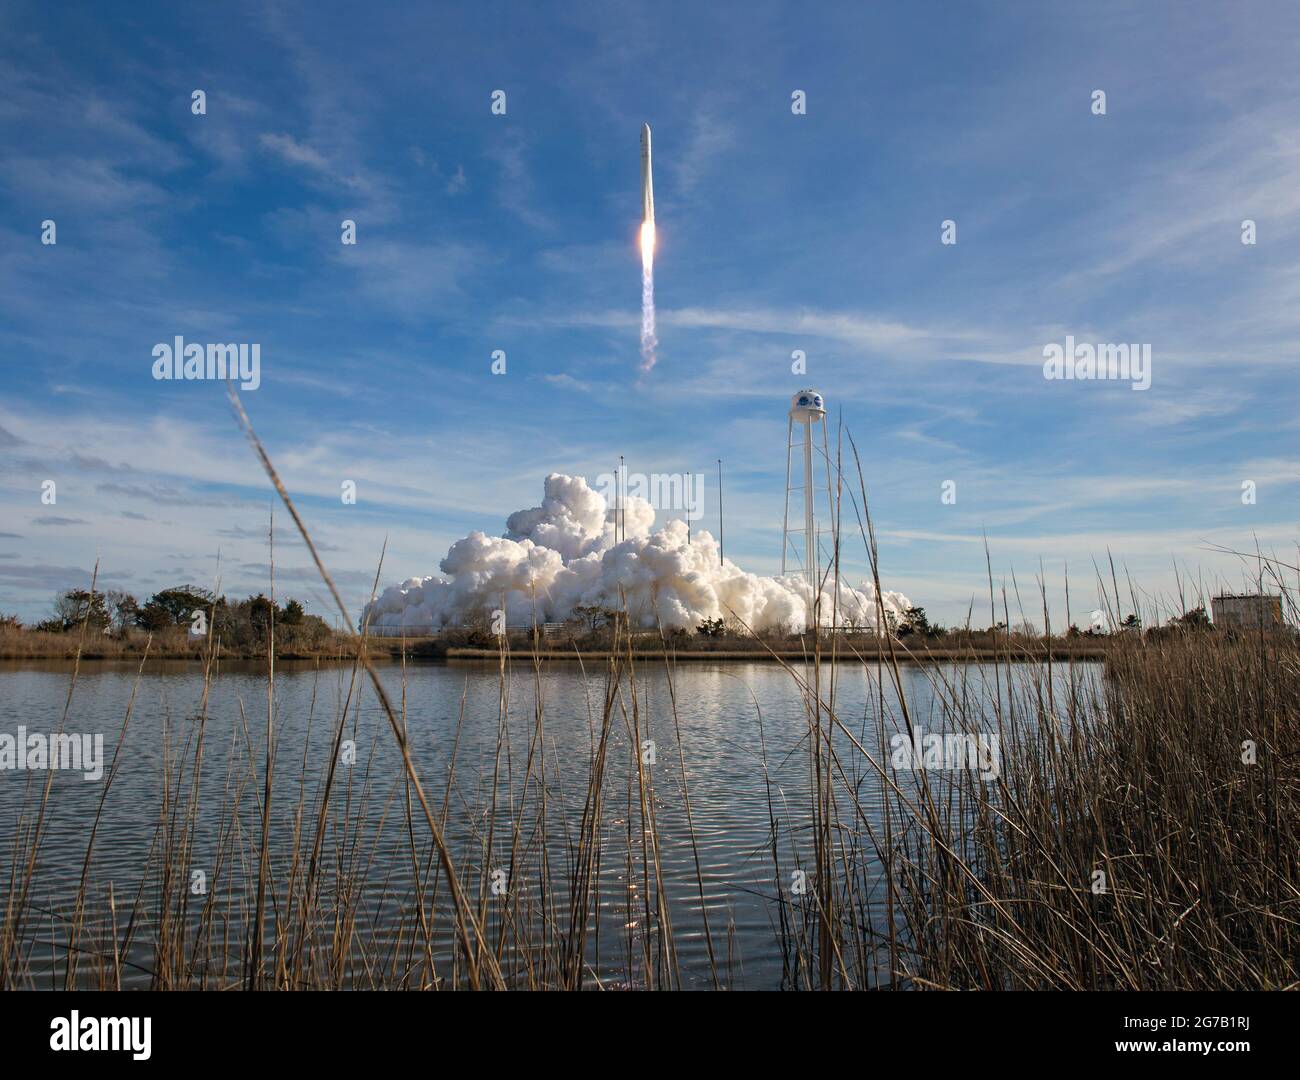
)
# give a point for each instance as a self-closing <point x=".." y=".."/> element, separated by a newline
<point x="738" y="781"/>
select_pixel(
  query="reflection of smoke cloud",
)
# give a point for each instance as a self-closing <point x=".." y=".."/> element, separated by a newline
<point x="564" y="554"/>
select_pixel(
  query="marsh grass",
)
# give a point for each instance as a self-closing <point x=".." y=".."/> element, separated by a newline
<point x="495" y="875"/>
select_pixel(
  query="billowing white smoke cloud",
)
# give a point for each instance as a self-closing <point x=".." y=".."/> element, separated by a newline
<point x="564" y="554"/>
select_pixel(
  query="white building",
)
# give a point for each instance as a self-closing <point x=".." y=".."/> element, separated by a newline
<point x="1246" y="611"/>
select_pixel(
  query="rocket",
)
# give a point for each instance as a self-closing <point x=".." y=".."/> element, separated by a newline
<point x="647" y="179"/>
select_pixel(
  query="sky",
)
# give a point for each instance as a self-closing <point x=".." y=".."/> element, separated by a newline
<point x="778" y="230"/>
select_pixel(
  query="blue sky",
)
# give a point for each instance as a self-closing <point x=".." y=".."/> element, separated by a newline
<point x="777" y="232"/>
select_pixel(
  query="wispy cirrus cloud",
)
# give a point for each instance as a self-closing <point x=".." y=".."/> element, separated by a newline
<point x="516" y="189"/>
<point x="289" y="149"/>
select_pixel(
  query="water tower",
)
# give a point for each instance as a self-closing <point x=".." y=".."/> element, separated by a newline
<point x="808" y="413"/>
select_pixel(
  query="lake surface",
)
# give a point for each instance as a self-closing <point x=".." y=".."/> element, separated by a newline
<point x="738" y="779"/>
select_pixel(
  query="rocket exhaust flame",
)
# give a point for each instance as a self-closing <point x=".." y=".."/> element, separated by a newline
<point x="649" y="340"/>
<point x="648" y="244"/>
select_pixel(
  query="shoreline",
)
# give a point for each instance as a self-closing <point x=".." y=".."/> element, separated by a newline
<point x="467" y="655"/>
<point x="943" y="656"/>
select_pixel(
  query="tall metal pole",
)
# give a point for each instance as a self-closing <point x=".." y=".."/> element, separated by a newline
<point x="833" y="516"/>
<point x="785" y="523"/>
<point x="719" y="511"/>
<point x="810" y="540"/>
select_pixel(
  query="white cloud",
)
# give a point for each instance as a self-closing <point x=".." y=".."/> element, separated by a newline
<point x="291" y="150"/>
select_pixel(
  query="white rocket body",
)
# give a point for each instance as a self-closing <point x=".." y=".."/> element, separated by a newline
<point x="647" y="179"/>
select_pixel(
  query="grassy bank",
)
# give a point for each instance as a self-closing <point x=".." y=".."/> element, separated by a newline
<point x="779" y="652"/>
<point x="290" y="644"/>
<point x="172" y="644"/>
<point x="1143" y="834"/>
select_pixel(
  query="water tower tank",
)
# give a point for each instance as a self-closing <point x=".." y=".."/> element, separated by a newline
<point x="807" y="405"/>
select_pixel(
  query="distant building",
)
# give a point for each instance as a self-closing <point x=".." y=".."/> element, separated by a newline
<point x="1246" y="611"/>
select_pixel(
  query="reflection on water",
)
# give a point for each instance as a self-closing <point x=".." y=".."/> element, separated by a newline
<point x="743" y="739"/>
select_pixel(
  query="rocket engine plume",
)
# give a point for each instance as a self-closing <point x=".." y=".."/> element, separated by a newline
<point x="577" y="551"/>
<point x="649" y="340"/>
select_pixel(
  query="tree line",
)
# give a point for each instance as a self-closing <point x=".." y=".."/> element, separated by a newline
<point x="186" y="609"/>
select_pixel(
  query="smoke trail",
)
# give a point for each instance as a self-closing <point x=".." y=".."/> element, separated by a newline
<point x="649" y="341"/>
